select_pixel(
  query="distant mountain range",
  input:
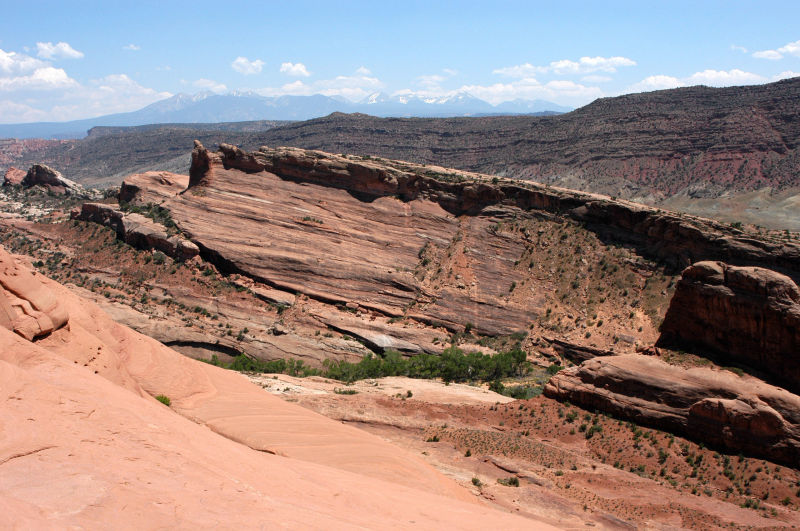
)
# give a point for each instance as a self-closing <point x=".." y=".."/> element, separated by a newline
<point x="208" y="107"/>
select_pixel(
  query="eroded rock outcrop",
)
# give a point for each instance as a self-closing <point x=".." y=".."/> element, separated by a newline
<point x="742" y="414"/>
<point x="749" y="315"/>
<point x="137" y="230"/>
<point x="47" y="177"/>
<point x="27" y="307"/>
<point x="13" y="176"/>
<point x="677" y="239"/>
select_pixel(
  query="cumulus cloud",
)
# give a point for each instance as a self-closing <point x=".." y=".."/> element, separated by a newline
<point x="132" y="47"/>
<point x="714" y="78"/>
<point x="247" y="67"/>
<point x="62" y="50"/>
<point x="353" y="87"/>
<point x="45" y="78"/>
<point x="792" y="48"/>
<point x="722" y="78"/>
<point x="738" y="48"/>
<point x="14" y="112"/>
<point x="558" y="91"/>
<point x="16" y="63"/>
<point x="657" y="82"/>
<point x="295" y="69"/>
<point x="210" y="84"/>
<point x="787" y="74"/>
<point x="584" y="65"/>
<point x="363" y="71"/>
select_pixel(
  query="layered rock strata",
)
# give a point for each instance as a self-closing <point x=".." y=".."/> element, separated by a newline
<point x="137" y="230"/>
<point x="740" y="414"/>
<point x="674" y="238"/>
<point x="748" y="315"/>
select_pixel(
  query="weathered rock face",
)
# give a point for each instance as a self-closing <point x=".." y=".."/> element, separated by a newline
<point x="41" y="175"/>
<point x="674" y="238"/>
<point x="13" y="177"/>
<point x="747" y="314"/>
<point x="137" y="230"/>
<point x="26" y="306"/>
<point x="742" y="414"/>
<point x="169" y="183"/>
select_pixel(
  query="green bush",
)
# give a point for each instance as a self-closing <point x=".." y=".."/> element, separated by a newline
<point x="164" y="400"/>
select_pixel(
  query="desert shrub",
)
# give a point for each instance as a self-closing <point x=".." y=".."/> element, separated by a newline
<point x="164" y="400"/>
<point x="511" y="481"/>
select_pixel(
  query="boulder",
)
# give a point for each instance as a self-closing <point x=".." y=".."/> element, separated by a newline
<point x="41" y="175"/>
<point x="13" y="177"/>
<point x="747" y="315"/>
<point x="719" y="408"/>
<point x="27" y="307"/>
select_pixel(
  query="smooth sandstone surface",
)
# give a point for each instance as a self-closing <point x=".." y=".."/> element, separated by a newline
<point x="84" y="444"/>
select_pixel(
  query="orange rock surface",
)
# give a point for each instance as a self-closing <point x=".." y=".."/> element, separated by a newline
<point x="83" y="443"/>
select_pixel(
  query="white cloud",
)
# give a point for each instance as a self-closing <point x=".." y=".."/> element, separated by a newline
<point x="558" y="91"/>
<point x="723" y="78"/>
<point x="62" y="50"/>
<point x="657" y="82"/>
<point x="13" y="112"/>
<point x="772" y="55"/>
<point x="295" y="69"/>
<point x="792" y="48"/>
<point x="583" y="65"/>
<point x="787" y="74"/>
<point x="45" y="78"/>
<point x="363" y="71"/>
<point x="247" y="67"/>
<point x="714" y="78"/>
<point x="737" y="48"/>
<point x="132" y="47"/>
<point x="355" y="87"/>
<point x="16" y="63"/>
<point x="210" y="84"/>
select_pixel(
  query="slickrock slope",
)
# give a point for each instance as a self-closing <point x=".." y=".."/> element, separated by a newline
<point x="90" y="446"/>
<point x="741" y="414"/>
<point x="746" y="314"/>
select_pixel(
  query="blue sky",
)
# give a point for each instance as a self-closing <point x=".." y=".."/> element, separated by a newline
<point x="69" y="60"/>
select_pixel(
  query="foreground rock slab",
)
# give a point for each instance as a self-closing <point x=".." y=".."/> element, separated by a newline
<point x="741" y="414"/>
<point x="748" y="315"/>
<point x="91" y="447"/>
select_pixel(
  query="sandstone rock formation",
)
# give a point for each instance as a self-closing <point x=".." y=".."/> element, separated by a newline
<point x="13" y="176"/>
<point x="41" y="175"/>
<point x="87" y="430"/>
<point x="748" y="315"/>
<point x="741" y="414"/>
<point x="675" y="238"/>
<point x="26" y="306"/>
<point x="137" y="230"/>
